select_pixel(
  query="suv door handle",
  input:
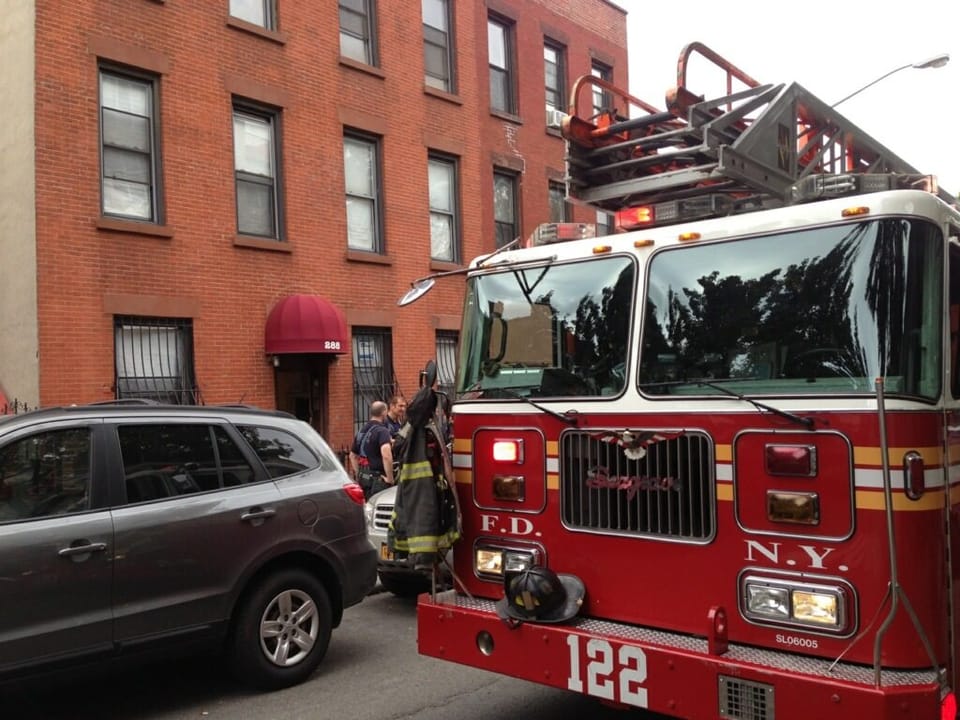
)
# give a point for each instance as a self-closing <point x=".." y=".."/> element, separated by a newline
<point x="257" y="516"/>
<point x="85" y="549"/>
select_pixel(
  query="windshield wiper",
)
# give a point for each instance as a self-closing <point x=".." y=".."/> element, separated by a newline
<point x="807" y="422"/>
<point x="570" y="419"/>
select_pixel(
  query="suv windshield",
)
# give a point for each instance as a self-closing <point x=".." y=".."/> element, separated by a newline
<point x="556" y="330"/>
<point x="815" y="312"/>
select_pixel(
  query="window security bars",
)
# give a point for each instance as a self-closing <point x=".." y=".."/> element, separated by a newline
<point x="373" y="376"/>
<point x="154" y="360"/>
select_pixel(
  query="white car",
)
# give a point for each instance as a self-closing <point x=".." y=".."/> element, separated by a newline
<point x="397" y="576"/>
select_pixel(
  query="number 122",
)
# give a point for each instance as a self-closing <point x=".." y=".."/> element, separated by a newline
<point x="629" y="668"/>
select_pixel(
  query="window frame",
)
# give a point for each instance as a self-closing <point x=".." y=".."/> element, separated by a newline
<point x="446" y="47"/>
<point x="447" y="344"/>
<point x="560" y="102"/>
<point x="508" y="71"/>
<point x="156" y="214"/>
<point x="514" y="224"/>
<point x="269" y="15"/>
<point x="54" y="433"/>
<point x="183" y="389"/>
<point x="375" y="143"/>
<point x="381" y="371"/>
<point x="604" y="72"/>
<point x="271" y="116"/>
<point x="554" y="187"/>
<point x="606" y="222"/>
<point x="368" y="16"/>
<point x="453" y="213"/>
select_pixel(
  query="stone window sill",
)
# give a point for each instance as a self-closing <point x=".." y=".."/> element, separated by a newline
<point x="134" y="227"/>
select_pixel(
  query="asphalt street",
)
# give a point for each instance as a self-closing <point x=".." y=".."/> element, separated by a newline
<point x="372" y="671"/>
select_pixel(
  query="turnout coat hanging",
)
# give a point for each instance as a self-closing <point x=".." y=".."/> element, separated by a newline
<point x="426" y="520"/>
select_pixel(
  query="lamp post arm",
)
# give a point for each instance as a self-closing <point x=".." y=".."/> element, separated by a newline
<point x="871" y="84"/>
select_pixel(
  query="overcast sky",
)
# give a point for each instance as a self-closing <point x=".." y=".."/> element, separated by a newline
<point x="831" y="49"/>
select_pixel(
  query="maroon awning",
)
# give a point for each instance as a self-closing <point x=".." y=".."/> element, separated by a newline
<point x="305" y="324"/>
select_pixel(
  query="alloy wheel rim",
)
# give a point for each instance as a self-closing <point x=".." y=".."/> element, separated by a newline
<point x="288" y="628"/>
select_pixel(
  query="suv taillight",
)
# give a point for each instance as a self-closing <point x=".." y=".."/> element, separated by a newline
<point x="354" y="492"/>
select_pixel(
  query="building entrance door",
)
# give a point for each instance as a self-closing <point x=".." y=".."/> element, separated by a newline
<point x="301" y="388"/>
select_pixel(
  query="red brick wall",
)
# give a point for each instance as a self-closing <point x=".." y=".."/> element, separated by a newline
<point x="87" y="273"/>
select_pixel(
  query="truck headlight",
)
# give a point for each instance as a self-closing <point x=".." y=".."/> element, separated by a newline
<point x="822" y="608"/>
<point x="769" y="601"/>
<point x="491" y="562"/>
<point x="781" y="601"/>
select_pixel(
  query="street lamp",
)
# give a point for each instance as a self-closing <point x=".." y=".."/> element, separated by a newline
<point x="935" y="62"/>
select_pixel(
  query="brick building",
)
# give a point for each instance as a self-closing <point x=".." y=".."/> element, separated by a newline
<point x="221" y="201"/>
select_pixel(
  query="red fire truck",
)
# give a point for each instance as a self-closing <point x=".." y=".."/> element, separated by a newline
<point x="736" y="422"/>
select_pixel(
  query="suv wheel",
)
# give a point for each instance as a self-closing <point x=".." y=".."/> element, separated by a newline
<point x="282" y="630"/>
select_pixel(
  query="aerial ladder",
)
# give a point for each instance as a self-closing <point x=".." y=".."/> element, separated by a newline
<point x="755" y="146"/>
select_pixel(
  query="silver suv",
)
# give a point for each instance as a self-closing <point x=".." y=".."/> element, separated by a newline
<point x="125" y="525"/>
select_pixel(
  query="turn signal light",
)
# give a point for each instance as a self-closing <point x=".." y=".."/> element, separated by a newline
<point x="793" y="507"/>
<point x="508" y="487"/>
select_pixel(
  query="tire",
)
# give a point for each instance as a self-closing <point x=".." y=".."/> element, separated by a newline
<point x="405" y="586"/>
<point x="282" y="630"/>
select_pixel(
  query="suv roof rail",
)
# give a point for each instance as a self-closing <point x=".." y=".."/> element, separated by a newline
<point x="126" y="401"/>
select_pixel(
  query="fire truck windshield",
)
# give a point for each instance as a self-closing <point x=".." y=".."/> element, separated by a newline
<point x="817" y="311"/>
<point x="555" y="330"/>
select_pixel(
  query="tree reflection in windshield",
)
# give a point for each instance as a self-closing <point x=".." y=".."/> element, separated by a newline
<point x="818" y="311"/>
<point x="558" y="330"/>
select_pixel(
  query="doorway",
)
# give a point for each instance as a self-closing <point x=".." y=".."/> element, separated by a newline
<point x="301" y="388"/>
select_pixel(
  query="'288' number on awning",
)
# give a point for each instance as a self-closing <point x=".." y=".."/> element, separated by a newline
<point x="610" y="674"/>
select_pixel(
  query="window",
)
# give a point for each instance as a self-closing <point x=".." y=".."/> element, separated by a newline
<point x="447" y="361"/>
<point x="559" y="207"/>
<point x="171" y="459"/>
<point x="154" y="359"/>
<point x="804" y="312"/>
<point x="361" y="172"/>
<point x="128" y="139"/>
<point x="256" y="168"/>
<point x="45" y="474"/>
<point x="604" y="223"/>
<point x="444" y="240"/>
<point x="501" y="66"/>
<point x="437" y="48"/>
<point x="356" y="31"/>
<point x="373" y="377"/>
<point x="257" y="12"/>
<point x="554" y="74"/>
<point x="601" y="98"/>
<point x="505" y="207"/>
<point x="281" y="453"/>
<point x="564" y="329"/>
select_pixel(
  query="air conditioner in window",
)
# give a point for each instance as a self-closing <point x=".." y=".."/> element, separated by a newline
<point x="554" y="117"/>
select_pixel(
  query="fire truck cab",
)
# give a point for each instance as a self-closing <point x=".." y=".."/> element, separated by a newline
<point x="736" y="420"/>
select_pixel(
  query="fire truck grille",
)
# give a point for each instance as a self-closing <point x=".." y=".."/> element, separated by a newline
<point x="744" y="700"/>
<point x="651" y="483"/>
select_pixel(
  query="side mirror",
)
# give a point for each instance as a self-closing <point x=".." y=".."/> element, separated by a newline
<point x="417" y="290"/>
